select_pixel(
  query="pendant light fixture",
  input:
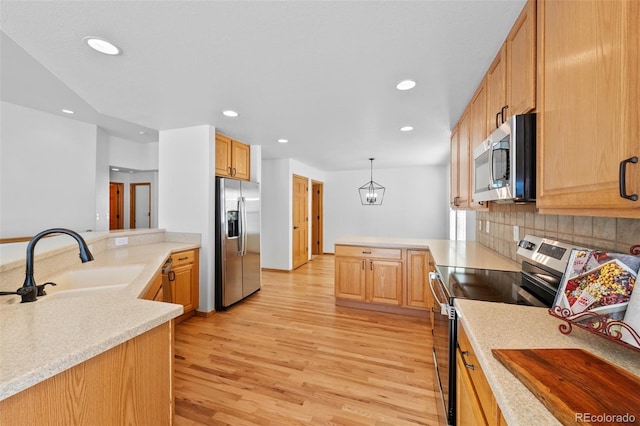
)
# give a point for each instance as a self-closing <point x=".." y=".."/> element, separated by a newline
<point x="371" y="193"/>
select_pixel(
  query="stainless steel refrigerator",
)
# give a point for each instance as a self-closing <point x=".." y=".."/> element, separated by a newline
<point x="237" y="241"/>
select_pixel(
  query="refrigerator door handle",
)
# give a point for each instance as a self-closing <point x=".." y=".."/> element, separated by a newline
<point x="244" y="227"/>
<point x="240" y="227"/>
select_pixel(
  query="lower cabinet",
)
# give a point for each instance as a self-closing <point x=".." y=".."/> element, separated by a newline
<point x="475" y="403"/>
<point x="128" y="384"/>
<point x="387" y="279"/>
<point x="185" y="283"/>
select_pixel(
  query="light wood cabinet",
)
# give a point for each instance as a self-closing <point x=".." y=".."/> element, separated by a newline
<point x="475" y="402"/>
<point x="154" y="290"/>
<point x="496" y="81"/>
<point x="369" y="277"/>
<point x="185" y="285"/>
<point x="128" y="384"/>
<point x="477" y="134"/>
<point x="507" y="88"/>
<point x="418" y="293"/>
<point x="232" y="158"/>
<point x="588" y="110"/>
<point x="386" y="279"/>
<point x="521" y="63"/>
<point x="460" y="166"/>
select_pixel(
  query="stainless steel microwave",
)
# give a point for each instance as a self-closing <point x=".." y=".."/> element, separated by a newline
<point x="505" y="162"/>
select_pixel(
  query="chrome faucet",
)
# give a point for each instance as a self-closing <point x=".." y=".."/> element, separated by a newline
<point x="29" y="290"/>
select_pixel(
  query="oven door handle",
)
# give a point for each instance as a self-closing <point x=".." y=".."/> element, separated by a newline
<point x="539" y="281"/>
<point x="444" y="307"/>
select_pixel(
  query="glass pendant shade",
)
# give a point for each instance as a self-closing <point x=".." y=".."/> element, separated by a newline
<point x="371" y="193"/>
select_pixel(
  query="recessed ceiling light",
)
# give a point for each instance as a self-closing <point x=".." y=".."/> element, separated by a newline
<point x="406" y="128"/>
<point x="406" y="85"/>
<point x="142" y="133"/>
<point x="68" y="111"/>
<point x="283" y="140"/>
<point x="229" y="113"/>
<point x="103" y="46"/>
<point x="115" y="170"/>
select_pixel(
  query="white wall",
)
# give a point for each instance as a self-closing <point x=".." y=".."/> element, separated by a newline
<point x="413" y="204"/>
<point x="47" y="172"/>
<point x="133" y="155"/>
<point x="139" y="177"/>
<point x="186" y="194"/>
<point x="102" y="180"/>
<point x="277" y="205"/>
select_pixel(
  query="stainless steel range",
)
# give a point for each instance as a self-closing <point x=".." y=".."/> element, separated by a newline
<point x="543" y="262"/>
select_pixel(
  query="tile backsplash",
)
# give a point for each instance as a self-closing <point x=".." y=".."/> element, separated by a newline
<point x="607" y="233"/>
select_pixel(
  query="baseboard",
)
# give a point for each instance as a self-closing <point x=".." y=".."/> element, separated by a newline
<point x="401" y="310"/>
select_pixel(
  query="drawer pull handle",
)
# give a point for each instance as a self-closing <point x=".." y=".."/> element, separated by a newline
<point x="464" y="361"/>
<point x="183" y="258"/>
<point x="363" y="265"/>
<point x="366" y="252"/>
<point x="622" y="179"/>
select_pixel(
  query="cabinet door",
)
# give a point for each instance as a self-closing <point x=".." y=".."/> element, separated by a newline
<point x="418" y="292"/>
<point x="588" y="92"/>
<point x="240" y="154"/>
<point x="477" y="134"/>
<point x="496" y="92"/>
<point x="153" y="289"/>
<point x="464" y="165"/>
<point x="182" y="288"/>
<point x="468" y="409"/>
<point x="223" y="156"/>
<point x="350" y="278"/>
<point x="385" y="282"/>
<point x="454" y="166"/>
<point x="521" y="62"/>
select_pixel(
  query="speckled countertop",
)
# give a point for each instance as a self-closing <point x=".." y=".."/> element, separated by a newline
<point x="43" y="338"/>
<point x="501" y="326"/>
<point x="469" y="254"/>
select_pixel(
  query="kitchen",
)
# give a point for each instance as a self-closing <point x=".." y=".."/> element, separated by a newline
<point x="179" y="207"/>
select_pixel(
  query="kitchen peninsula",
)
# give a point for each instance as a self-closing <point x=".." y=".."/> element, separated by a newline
<point x="101" y="343"/>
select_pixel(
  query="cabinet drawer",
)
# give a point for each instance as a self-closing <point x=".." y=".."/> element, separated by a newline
<point x="183" y="257"/>
<point x="362" y="251"/>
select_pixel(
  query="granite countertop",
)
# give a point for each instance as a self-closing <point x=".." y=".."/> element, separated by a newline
<point x="43" y="338"/>
<point x="468" y="254"/>
<point x="501" y="326"/>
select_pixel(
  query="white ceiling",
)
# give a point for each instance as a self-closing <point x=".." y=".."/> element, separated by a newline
<point x="321" y="74"/>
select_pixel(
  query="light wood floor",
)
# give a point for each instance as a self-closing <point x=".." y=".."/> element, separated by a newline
<point x="289" y="356"/>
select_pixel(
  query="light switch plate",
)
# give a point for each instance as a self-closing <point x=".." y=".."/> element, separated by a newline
<point x="122" y="241"/>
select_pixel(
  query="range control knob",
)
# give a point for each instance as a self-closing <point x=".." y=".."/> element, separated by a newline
<point x="527" y="245"/>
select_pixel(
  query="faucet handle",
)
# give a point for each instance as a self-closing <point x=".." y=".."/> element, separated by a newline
<point x="40" y="288"/>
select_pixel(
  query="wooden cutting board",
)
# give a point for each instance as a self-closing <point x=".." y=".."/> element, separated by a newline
<point x="570" y="382"/>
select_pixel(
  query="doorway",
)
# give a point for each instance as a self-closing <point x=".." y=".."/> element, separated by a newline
<point x="116" y="205"/>
<point x="317" y="217"/>
<point x="300" y="221"/>
<point x="140" y="206"/>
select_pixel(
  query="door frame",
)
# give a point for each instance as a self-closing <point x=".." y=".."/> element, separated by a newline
<point x="132" y="203"/>
<point x="119" y="205"/>
<point x="317" y="217"/>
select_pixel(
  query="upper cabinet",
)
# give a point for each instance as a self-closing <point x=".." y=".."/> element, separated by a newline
<point x="507" y="88"/>
<point x="588" y="110"/>
<point x="497" y="91"/>
<point x="232" y="158"/>
<point x="511" y="78"/>
<point x="460" y="165"/>
<point x="521" y="62"/>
